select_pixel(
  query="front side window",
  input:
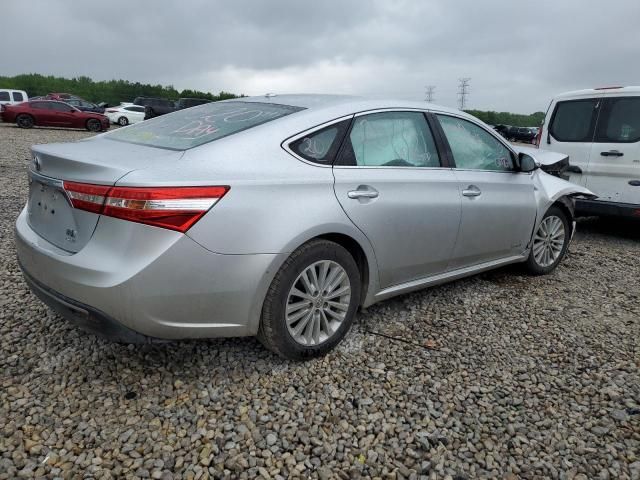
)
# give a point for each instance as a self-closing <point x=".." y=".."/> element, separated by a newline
<point x="574" y="120"/>
<point x="4" y="97"/>
<point x="17" y="97"/>
<point x="196" y="126"/>
<point x="474" y="148"/>
<point x="390" y="139"/>
<point x="619" y="120"/>
<point x="320" y="146"/>
<point x="134" y="109"/>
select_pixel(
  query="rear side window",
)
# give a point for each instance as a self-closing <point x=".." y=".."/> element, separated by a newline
<point x="134" y="109"/>
<point x="17" y="97"/>
<point x="196" y="126"/>
<point x="390" y="139"/>
<point x="4" y="97"/>
<point x="574" y="120"/>
<point x="40" y="105"/>
<point x="321" y="146"/>
<point x="619" y="120"/>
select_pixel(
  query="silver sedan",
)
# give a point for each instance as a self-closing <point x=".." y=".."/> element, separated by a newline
<point x="280" y="216"/>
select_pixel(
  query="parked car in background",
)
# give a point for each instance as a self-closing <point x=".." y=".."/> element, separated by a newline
<point x="51" y="113"/>
<point x="502" y="129"/>
<point x="155" y="107"/>
<point x="521" y="134"/>
<point x="289" y="194"/>
<point x="12" y="97"/>
<point x="600" y="131"/>
<point x="125" y="114"/>
<point x="85" y="106"/>
<point x="183" y="103"/>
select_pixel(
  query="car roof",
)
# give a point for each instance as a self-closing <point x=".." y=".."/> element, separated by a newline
<point x="347" y="104"/>
<point x="593" y="92"/>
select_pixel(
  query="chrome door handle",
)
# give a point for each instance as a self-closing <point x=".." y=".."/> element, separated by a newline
<point x="362" y="194"/>
<point x="471" y="191"/>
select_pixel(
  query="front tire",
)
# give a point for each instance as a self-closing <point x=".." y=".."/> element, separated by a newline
<point x="123" y="121"/>
<point x="550" y="242"/>
<point x="311" y="302"/>
<point x="25" y="121"/>
<point x="94" y="125"/>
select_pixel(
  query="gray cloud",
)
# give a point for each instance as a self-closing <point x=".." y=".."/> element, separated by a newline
<point x="518" y="54"/>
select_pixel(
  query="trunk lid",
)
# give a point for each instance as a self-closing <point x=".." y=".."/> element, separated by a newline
<point x="96" y="161"/>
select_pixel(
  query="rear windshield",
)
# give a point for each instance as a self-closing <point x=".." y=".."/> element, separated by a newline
<point x="195" y="126"/>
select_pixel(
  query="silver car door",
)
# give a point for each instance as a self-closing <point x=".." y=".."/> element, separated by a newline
<point x="391" y="184"/>
<point x="498" y="203"/>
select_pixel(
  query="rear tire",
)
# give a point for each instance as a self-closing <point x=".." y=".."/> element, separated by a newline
<point x="25" y="121"/>
<point x="94" y="125"/>
<point x="311" y="302"/>
<point x="123" y="121"/>
<point x="550" y="242"/>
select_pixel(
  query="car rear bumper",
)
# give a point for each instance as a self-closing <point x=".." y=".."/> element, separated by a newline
<point x="133" y="281"/>
<point x="587" y="208"/>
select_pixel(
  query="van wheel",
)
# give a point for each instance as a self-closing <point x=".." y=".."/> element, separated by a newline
<point x="123" y="121"/>
<point x="311" y="302"/>
<point x="550" y="242"/>
<point x="25" y="121"/>
<point x="94" y="125"/>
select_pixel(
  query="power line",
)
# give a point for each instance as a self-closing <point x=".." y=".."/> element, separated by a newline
<point x="429" y="93"/>
<point x="463" y="91"/>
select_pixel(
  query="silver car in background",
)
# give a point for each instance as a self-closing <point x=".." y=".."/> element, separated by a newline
<point x="279" y="216"/>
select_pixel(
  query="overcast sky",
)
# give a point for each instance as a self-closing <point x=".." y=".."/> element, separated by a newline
<point x="518" y="53"/>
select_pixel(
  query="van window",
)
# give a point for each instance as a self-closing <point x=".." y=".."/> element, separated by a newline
<point x="4" y="96"/>
<point x="619" y="120"/>
<point x="574" y="120"/>
<point x="17" y="97"/>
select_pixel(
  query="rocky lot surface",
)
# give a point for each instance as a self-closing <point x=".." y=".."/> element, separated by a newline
<point x="506" y="376"/>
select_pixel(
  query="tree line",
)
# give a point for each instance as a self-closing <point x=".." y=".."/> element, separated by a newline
<point x="506" y="118"/>
<point x="110" y="91"/>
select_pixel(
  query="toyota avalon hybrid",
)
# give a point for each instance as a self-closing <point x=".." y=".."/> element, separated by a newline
<point x="280" y="216"/>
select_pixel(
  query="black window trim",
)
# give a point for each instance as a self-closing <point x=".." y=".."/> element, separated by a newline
<point x="594" y="121"/>
<point x="441" y="153"/>
<point x="493" y="133"/>
<point x="601" y="108"/>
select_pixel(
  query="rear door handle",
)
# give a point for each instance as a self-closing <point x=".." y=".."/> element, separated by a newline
<point x="471" y="191"/>
<point x="612" y="153"/>
<point x="634" y="183"/>
<point x="363" y="192"/>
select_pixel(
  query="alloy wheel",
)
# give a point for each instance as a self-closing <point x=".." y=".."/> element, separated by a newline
<point x="548" y="241"/>
<point x="318" y="303"/>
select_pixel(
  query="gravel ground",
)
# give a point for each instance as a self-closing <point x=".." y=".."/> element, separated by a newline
<point x="507" y="376"/>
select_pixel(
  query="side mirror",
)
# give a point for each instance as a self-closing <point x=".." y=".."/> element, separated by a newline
<point x="527" y="163"/>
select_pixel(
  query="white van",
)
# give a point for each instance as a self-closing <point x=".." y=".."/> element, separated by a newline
<point x="600" y="131"/>
<point x="11" y="97"/>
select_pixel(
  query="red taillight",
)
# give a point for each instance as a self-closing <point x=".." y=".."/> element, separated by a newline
<point x="87" y="197"/>
<point x="175" y="208"/>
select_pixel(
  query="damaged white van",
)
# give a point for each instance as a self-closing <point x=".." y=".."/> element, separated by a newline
<point x="599" y="129"/>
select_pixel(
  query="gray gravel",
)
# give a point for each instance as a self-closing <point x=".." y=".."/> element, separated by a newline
<point x="508" y="376"/>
